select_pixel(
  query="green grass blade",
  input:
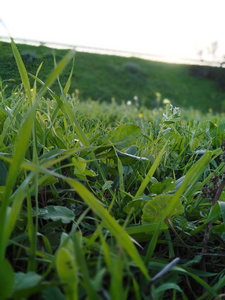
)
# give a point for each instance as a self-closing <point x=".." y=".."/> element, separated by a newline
<point x="118" y="232"/>
<point x="67" y="86"/>
<point x="55" y="73"/>
<point x="150" y="173"/>
<point x="22" y="70"/>
<point x="91" y="291"/>
<point x="34" y="92"/>
<point x="19" y="154"/>
<point x="190" y="177"/>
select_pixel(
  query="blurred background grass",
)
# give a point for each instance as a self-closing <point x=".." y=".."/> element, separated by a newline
<point x="106" y="77"/>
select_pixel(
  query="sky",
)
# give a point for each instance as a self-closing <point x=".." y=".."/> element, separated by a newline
<point x="168" y="28"/>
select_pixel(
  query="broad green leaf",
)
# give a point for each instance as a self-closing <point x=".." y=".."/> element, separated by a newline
<point x="124" y="135"/>
<point x="155" y="209"/>
<point x="6" y="280"/>
<point x="80" y="165"/>
<point x="135" y="205"/>
<point x="68" y="273"/>
<point x="57" y="213"/>
<point x="52" y="293"/>
<point x="90" y="173"/>
<point x="24" y="281"/>
<point x="107" y="185"/>
<point x="162" y="187"/>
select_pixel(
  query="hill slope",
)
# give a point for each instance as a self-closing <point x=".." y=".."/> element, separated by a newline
<point x="103" y="77"/>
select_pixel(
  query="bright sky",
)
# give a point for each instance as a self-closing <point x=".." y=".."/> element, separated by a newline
<point x="172" y="28"/>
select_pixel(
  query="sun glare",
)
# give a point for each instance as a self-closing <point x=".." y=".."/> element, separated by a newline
<point x="173" y="29"/>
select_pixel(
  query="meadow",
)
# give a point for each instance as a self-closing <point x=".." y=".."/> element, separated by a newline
<point x="107" y="200"/>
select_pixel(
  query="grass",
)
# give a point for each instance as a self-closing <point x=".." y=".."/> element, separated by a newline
<point x="107" y="201"/>
<point x="119" y="78"/>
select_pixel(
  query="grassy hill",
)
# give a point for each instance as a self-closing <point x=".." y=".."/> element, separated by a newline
<point x="103" y="77"/>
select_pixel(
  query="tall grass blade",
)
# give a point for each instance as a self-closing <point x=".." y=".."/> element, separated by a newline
<point x="22" y="70"/>
<point x="194" y="172"/>
<point x="55" y="73"/>
<point x="67" y="86"/>
<point x="191" y="175"/>
<point x="150" y="172"/>
<point x="19" y="154"/>
<point x="118" y="232"/>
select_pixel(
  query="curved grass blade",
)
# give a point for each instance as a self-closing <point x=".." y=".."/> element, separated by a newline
<point x="118" y="232"/>
<point x="194" y="172"/>
<point x="22" y="70"/>
<point x="55" y="73"/>
<point x="150" y="173"/>
<point x="190" y="177"/>
<point x="67" y="86"/>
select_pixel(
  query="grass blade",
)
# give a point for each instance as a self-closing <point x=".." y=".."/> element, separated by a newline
<point x="22" y="70"/>
<point x="150" y="173"/>
<point x="118" y="232"/>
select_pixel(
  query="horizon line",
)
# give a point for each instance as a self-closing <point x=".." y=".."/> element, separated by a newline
<point x="125" y="53"/>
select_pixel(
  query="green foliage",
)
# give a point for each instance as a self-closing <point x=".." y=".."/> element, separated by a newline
<point x="99" y="200"/>
<point x="56" y="213"/>
<point x="154" y="209"/>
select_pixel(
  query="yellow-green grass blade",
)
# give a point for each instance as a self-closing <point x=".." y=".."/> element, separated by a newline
<point x="118" y="232"/>
<point x="190" y="177"/>
<point x="34" y="92"/>
<point x="67" y="110"/>
<point x="19" y="154"/>
<point x="150" y="173"/>
<point x="15" y="208"/>
<point x="22" y="70"/>
<point x="67" y="86"/>
<point x="194" y="172"/>
<point x="55" y="73"/>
